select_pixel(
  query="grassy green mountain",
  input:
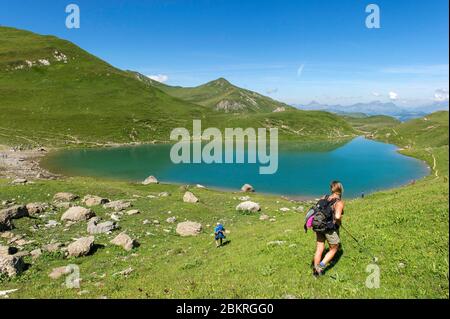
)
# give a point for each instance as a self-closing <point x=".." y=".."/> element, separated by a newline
<point x="54" y="93"/>
<point x="405" y="228"/>
<point x="371" y="124"/>
<point x="223" y="96"/>
<point x="429" y="131"/>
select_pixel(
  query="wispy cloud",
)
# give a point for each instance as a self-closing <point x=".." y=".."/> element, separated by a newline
<point x="300" y="70"/>
<point x="393" y="96"/>
<point x="441" y="95"/>
<point x="159" y="77"/>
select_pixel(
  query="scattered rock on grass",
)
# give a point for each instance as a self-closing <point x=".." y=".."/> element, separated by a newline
<point x="10" y="213"/>
<point x="164" y="194"/>
<point x="264" y="217"/>
<point x="95" y="227"/>
<point x="247" y="188"/>
<point x="118" y="205"/>
<point x="63" y="205"/>
<point x="171" y="220"/>
<point x="133" y="212"/>
<point x="36" y="208"/>
<point x="150" y="180"/>
<point x="81" y="247"/>
<point x="77" y="213"/>
<point x="189" y="228"/>
<point x="248" y="206"/>
<point x="6" y="250"/>
<point x="189" y="198"/>
<point x="92" y="200"/>
<point x="11" y="265"/>
<point x="19" y="181"/>
<point x="125" y="241"/>
<point x="51" y="223"/>
<point x="300" y="209"/>
<point x="53" y="247"/>
<point x="124" y="273"/>
<point x="64" y="197"/>
<point x="36" y="253"/>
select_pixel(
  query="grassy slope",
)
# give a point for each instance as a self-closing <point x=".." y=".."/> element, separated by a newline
<point x="87" y="101"/>
<point x="84" y="100"/>
<point x="371" y="124"/>
<point x="213" y="93"/>
<point x="406" y="226"/>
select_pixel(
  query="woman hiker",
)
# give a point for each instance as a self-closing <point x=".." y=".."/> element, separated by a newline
<point x="331" y="234"/>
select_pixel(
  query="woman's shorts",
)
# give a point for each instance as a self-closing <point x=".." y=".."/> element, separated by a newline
<point x="332" y="237"/>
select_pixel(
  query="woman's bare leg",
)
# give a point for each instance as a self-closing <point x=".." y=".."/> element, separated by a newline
<point x="320" y="247"/>
<point x="330" y="254"/>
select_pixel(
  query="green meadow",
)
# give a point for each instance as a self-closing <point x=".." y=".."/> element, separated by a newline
<point x="87" y="102"/>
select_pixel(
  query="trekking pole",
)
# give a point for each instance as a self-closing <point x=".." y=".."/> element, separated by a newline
<point x="364" y="248"/>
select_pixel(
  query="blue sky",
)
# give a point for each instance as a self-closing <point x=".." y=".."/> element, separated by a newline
<point x="295" y="51"/>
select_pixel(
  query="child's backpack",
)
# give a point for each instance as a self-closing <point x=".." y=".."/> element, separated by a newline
<point x="320" y="216"/>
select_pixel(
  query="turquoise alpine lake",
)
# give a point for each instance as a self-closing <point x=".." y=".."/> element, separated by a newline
<point x="304" y="169"/>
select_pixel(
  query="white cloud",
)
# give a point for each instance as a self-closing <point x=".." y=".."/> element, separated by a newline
<point x="376" y="94"/>
<point x="393" y="95"/>
<point x="441" y="95"/>
<point x="159" y="77"/>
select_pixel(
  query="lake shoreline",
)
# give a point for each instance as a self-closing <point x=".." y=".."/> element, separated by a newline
<point x="312" y="193"/>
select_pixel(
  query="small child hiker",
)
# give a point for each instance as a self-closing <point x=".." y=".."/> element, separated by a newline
<point x="219" y="234"/>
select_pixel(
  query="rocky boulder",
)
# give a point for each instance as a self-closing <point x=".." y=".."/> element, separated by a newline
<point x="36" y="208"/>
<point x="10" y="213"/>
<point x="81" y="247"/>
<point x="52" y="248"/>
<point x="11" y="265"/>
<point x="248" y="206"/>
<point x="124" y="241"/>
<point x="189" y="198"/>
<point x="133" y="212"/>
<point x="64" y="197"/>
<point x="189" y="229"/>
<point x="19" y="181"/>
<point x="6" y="250"/>
<point x="95" y="227"/>
<point x="77" y="213"/>
<point x="150" y="180"/>
<point x="247" y="188"/>
<point x="117" y="205"/>
<point x="92" y="200"/>
<point x="171" y="220"/>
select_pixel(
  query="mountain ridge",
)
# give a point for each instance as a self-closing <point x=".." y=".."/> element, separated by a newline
<point x="54" y="93"/>
<point x="221" y="95"/>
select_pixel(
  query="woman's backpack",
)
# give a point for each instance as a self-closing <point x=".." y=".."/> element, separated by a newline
<point x="320" y="216"/>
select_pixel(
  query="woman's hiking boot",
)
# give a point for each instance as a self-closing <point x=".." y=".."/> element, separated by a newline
<point x="318" y="271"/>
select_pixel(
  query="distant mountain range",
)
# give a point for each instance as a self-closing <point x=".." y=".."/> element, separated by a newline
<point x="378" y="108"/>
